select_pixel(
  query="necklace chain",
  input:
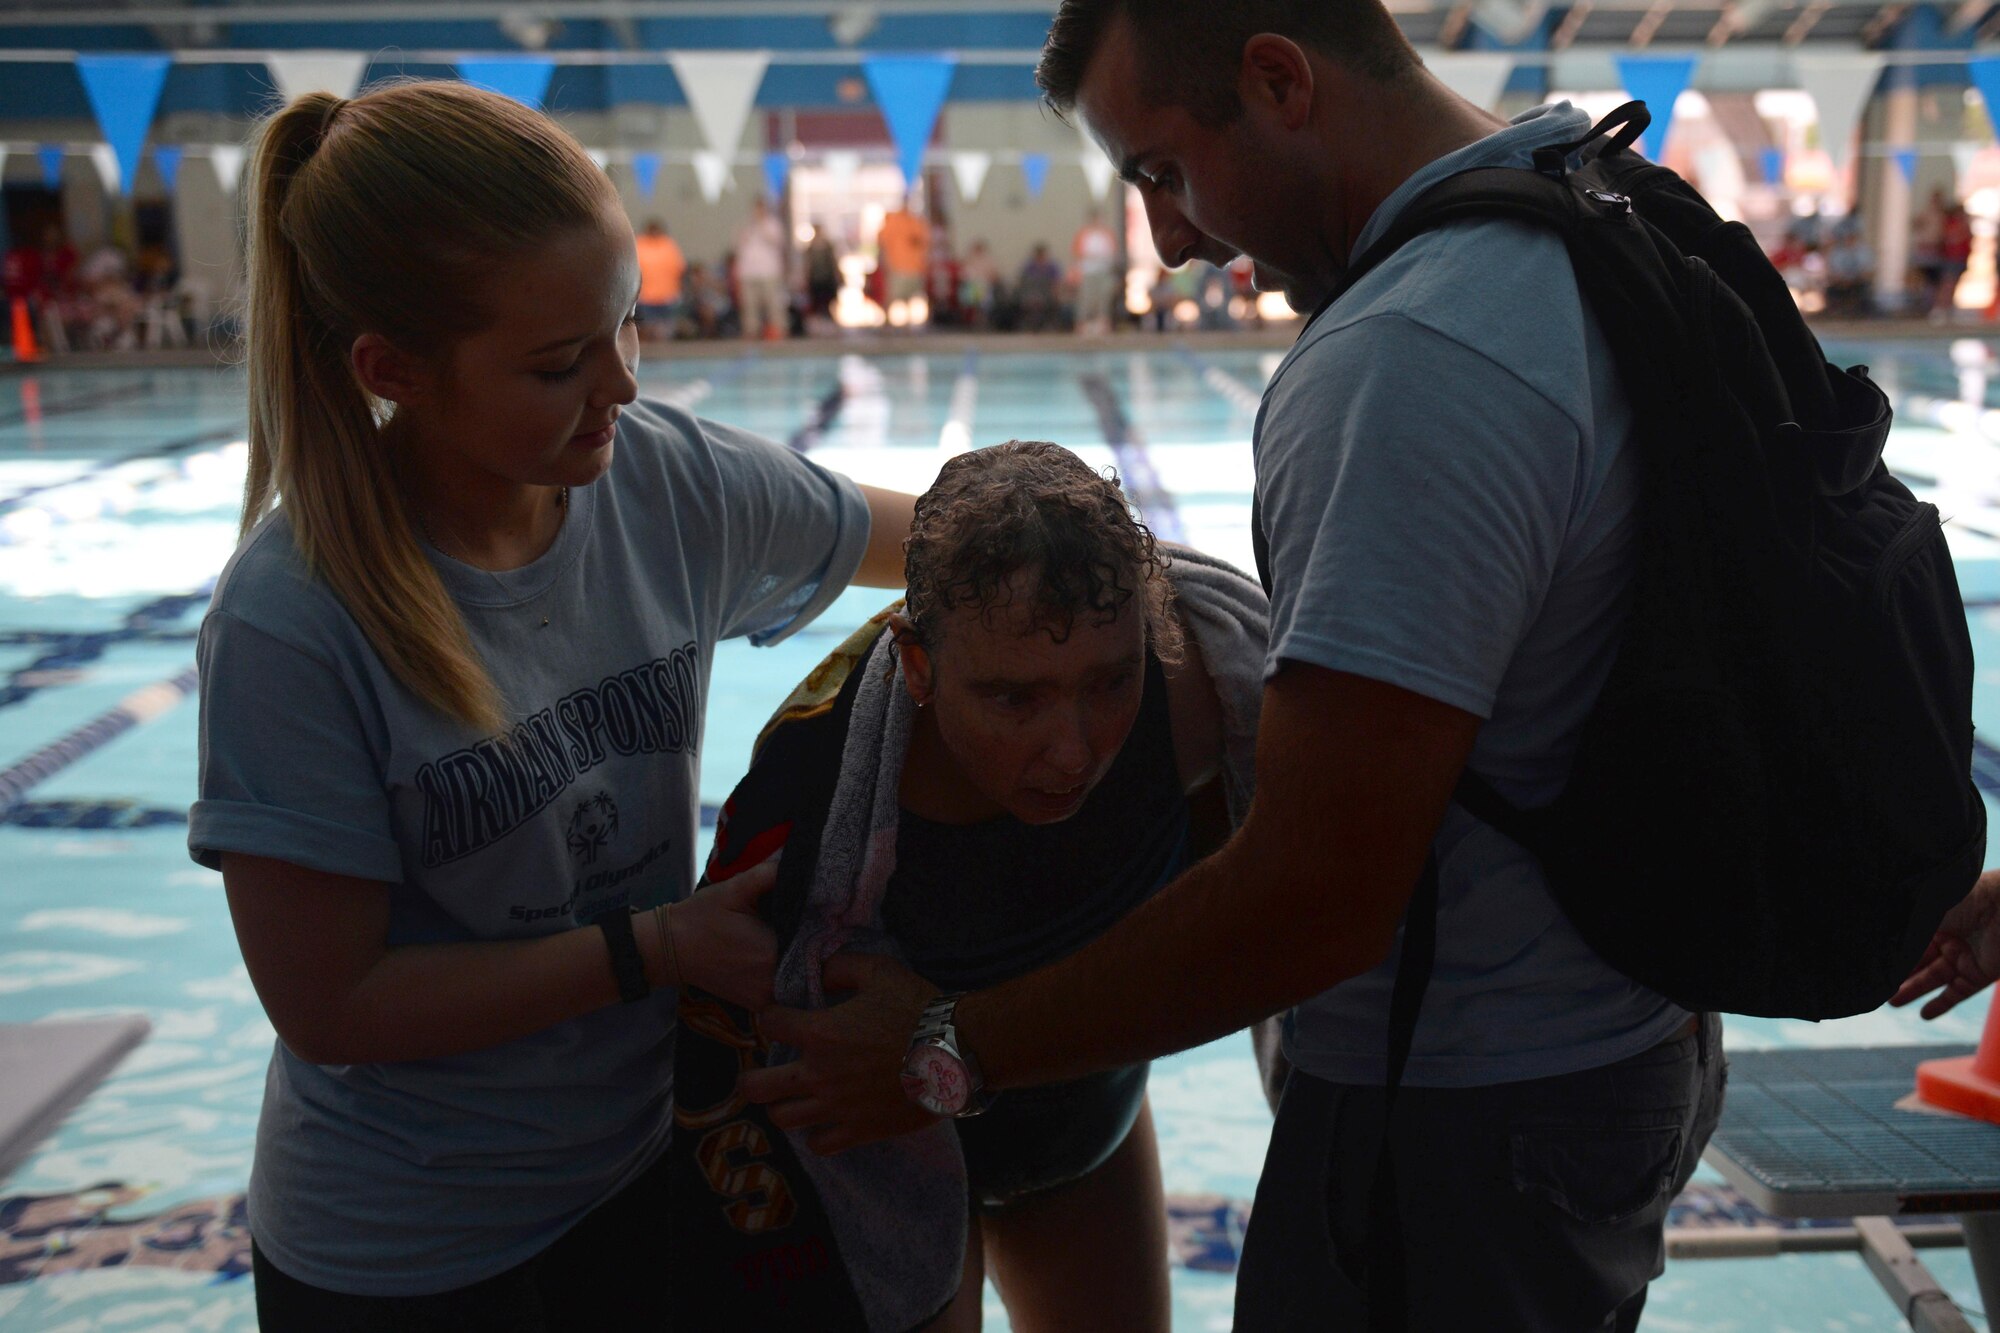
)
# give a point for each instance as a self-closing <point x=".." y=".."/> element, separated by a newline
<point x="562" y="503"/>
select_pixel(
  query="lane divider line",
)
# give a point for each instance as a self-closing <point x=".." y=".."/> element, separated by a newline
<point x="696" y="391"/>
<point x="81" y="403"/>
<point x="1142" y="483"/>
<point x="134" y="710"/>
<point x="956" y="437"/>
<point x="1240" y="395"/>
<point x="67" y="653"/>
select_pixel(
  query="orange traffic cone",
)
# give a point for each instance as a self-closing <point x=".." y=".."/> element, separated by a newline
<point x="1967" y="1084"/>
<point x="25" y="350"/>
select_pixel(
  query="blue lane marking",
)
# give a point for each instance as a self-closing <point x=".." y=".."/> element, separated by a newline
<point x="1155" y="503"/>
<point x="8" y="504"/>
<point x="68" y="652"/>
<point x="808" y="436"/>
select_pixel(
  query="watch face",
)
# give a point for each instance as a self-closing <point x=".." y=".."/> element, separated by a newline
<point x="936" y="1079"/>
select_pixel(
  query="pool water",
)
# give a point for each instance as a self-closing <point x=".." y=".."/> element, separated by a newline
<point x="119" y="494"/>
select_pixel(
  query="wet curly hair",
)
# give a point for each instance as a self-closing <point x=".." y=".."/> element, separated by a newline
<point x="1028" y="505"/>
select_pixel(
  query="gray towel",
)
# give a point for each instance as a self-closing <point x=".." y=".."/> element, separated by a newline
<point x="897" y="1207"/>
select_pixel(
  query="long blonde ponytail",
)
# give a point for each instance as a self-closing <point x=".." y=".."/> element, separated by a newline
<point x="378" y="215"/>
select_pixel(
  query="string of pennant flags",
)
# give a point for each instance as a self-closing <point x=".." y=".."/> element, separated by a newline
<point x="721" y="89"/>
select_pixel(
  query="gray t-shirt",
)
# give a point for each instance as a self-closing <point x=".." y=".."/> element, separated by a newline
<point x="1446" y="478"/>
<point x="421" y="1176"/>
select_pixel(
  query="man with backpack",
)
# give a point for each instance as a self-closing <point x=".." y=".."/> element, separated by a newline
<point x="1488" y="1113"/>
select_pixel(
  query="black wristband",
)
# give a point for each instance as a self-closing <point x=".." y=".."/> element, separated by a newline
<point x="626" y="965"/>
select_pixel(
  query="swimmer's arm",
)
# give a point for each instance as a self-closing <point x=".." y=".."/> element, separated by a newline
<point x="889" y="515"/>
<point x="338" y="994"/>
<point x="1353" y="776"/>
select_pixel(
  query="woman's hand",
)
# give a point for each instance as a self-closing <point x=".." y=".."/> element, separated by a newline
<point x="716" y="940"/>
<point x="1964" y="955"/>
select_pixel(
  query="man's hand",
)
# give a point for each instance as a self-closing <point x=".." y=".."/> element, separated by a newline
<point x="848" y="1079"/>
<point x="1964" y="955"/>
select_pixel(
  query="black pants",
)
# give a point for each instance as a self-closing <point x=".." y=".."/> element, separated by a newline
<point x="608" y="1272"/>
<point x="1532" y="1207"/>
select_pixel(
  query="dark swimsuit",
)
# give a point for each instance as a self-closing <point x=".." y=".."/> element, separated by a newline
<point x="976" y="904"/>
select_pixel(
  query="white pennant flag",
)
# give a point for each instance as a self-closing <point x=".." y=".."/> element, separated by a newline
<point x="300" y="72"/>
<point x="969" y="170"/>
<point x="712" y="173"/>
<point x="1963" y="155"/>
<point x="105" y="158"/>
<point x="1097" y="168"/>
<point x="1477" y="76"/>
<point x="227" y="159"/>
<point x="721" y="87"/>
<point x="599" y="156"/>
<point x="1098" y="173"/>
<point x="1840" y="84"/>
<point x="841" y="167"/>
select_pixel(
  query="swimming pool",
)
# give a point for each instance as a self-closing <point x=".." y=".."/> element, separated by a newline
<point x="118" y="500"/>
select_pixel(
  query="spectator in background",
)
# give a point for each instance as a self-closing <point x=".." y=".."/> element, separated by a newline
<point x="1095" y="252"/>
<point x="1850" y="271"/>
<point x="1927" y="249"/>
<point x="1954" y="253"/>
<point x="760" y="274"/>
<point x="110" y="303"/>
<point x="56" y="263"/>
<point x="705" y="301"/>
<point x="941" y="282"/>
<point x="154" y="268"/>
<point x="822" y="276"/>
<point x="904" y="243"/>
<point x="661" y="266"/>
<point x="1039" y="292"/>
<point x="978" y="286"/>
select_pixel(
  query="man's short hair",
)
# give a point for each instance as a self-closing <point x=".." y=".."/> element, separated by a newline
<point x="1190" y="51"/>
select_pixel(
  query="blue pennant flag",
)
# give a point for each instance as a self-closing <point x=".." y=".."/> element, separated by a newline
<point x="646" y="172"/>
<point x="52" y="164"/>
<point x="167" y="161"/>
<point x="1035" y="168"/>
<point x="1906" y="162"/>
<point x="1773" y="162"/>
<point x="1658" y="82"/>
<point x="523" y="78"/>
<point x="124" y="91"/>
<point x="1985" y="73"/>
<point x="777" y="170"/>
<point x="910" y="90"/>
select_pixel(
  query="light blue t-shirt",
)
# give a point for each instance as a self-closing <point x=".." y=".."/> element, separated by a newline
<point x="416" y="1177"/>
<point x="1446" y="479"/>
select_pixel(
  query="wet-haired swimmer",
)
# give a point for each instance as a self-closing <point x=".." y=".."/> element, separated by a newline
<point x="1047" y="718"/>
<point x="452" y="688"/>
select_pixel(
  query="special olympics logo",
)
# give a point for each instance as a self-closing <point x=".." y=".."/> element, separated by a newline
<point x="592" y="826"/>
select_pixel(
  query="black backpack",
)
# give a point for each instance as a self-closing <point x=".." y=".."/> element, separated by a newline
<point x="1771" y="805"/>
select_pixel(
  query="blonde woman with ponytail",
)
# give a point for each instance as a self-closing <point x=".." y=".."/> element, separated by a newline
<point x="452" y="693"/>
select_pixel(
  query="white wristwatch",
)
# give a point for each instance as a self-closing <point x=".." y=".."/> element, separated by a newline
<point x="938" y="1074"/>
